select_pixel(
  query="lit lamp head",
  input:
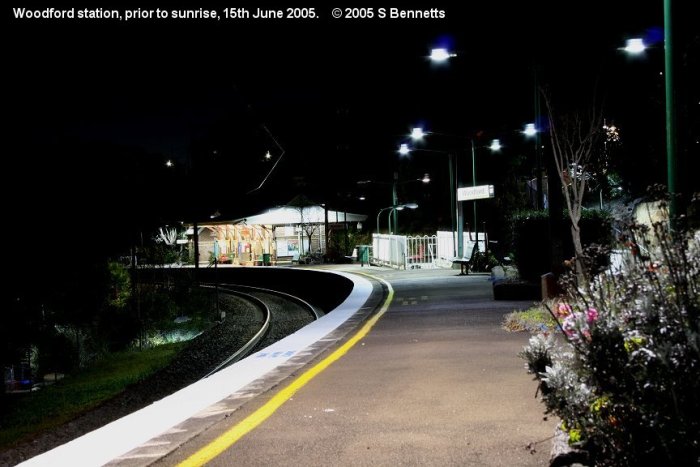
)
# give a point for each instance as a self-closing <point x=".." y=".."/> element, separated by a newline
<point x="441" y="55"/>
<point x="530" y="130"/>
<point x="417" y="133"/>
<point x="634" y="46"/>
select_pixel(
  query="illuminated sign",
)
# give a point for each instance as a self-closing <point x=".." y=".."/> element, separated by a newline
<point x="469" y="193"/>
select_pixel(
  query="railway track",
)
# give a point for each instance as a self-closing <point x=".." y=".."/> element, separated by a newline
<point x="281" y="314"/>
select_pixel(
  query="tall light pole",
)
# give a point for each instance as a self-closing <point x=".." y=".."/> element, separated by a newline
<point x="531" y="131"/>
<point x="495" y="146"/>
<point x="394" y="197"/>
<point x="637" y="46"/>
<point x="455" y="209"/>
<point x="392" y="211"/>
<point x="393" y="208"/>
<point x="405" y="150"/>
<point x="670" y="105"/>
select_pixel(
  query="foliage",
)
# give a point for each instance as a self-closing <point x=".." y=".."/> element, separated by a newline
<point x="534" y="319"/>
<point x="626" y="379"/>
<point x="530" y="242"/>
<point x="120" y="285"/>
<point x="53" y="405"/>
<point x="104" y="307"/>
<point x="483" y="261"/>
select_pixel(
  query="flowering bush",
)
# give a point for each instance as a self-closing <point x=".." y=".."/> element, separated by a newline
<point x="625" y="375"/>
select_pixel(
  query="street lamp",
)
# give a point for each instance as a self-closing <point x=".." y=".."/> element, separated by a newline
<point x="400" y="208"/>
<point x="636" y="46"/>
<point x="441" y="55"/>
<point x="394" y="196"/>
<point x="392" y="211"/>
<point x="405" y="150"/>
<point x="395" y="207"/>
<point x="495" y="146"/>
<point x="531" y="131"/>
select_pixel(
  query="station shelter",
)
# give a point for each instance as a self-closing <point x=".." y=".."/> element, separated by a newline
<point x="277" y="235"/>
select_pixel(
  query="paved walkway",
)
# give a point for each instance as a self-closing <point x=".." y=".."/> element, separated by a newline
<point x="435" y="382"/>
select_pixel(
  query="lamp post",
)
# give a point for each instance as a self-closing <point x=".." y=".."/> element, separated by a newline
<point x="531" y="131"/>
<point x="394" y="194"/>
<point x="458" y="242"/>
<point x="405" y="150"/>
<point x="393" y="208"/>
<point x="393" y="211"/>
<point x="636" y="46"/>
<point x="495" y="146"/>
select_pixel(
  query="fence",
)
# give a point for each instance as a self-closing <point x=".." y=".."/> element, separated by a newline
<point x="389" y="250"/>
<point x="420" y="252"/>
<point x="402" y="252"/>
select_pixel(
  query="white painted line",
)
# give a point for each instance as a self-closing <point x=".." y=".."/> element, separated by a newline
<point x="121" y="436"/>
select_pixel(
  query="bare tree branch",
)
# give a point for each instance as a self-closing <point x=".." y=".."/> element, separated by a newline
<point x="574" y="137"/>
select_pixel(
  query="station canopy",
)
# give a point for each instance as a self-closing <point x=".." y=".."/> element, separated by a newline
<point x="288" y="215"/>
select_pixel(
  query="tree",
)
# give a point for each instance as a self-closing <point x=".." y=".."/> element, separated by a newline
<point x="307" y="221"/>
<point x="574" y="138"/>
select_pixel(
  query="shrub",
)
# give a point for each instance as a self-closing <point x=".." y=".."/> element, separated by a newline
<point x="531" y="243"/>
<point x="626" y="379"/>
<point x="534" y="319"/>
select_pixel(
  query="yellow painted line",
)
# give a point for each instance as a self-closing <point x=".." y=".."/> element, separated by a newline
<point x="248" y="424"/>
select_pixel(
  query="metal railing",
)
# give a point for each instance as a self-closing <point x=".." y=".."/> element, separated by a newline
<point x="421" y="252"/>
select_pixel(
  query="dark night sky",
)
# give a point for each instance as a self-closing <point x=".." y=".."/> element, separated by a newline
<point x="95" y="109"/>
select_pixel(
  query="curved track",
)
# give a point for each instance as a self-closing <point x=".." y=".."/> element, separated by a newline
<point x="282" y="313"/>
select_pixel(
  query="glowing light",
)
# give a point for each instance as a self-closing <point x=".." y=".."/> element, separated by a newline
<point x="404" y="150"/>
<point x="268" y="156"/>
<point x="441" y="55"/>
<point x="425" y="179"/>
<point x="169" y="163"/>
<point x="417" y="133"/>
<point x="634" y="46"/>
<point x="530" y="130"/>
<point x="495" y="145"/>
<point x="612" y="133"/>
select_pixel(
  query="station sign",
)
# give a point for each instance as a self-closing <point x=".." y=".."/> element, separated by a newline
<point x="469" y="193"/>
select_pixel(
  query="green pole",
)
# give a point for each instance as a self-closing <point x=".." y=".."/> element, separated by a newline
<point x="453" y="195"/>
<point x="476" y="227"/>
<point x="459" y="213"/>
<point x="670" y="107"/>
<point x="394" y="202"/>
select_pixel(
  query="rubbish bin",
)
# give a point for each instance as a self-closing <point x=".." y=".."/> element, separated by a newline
<point x="363" y="254"/>
<point x="266" y="259"/>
